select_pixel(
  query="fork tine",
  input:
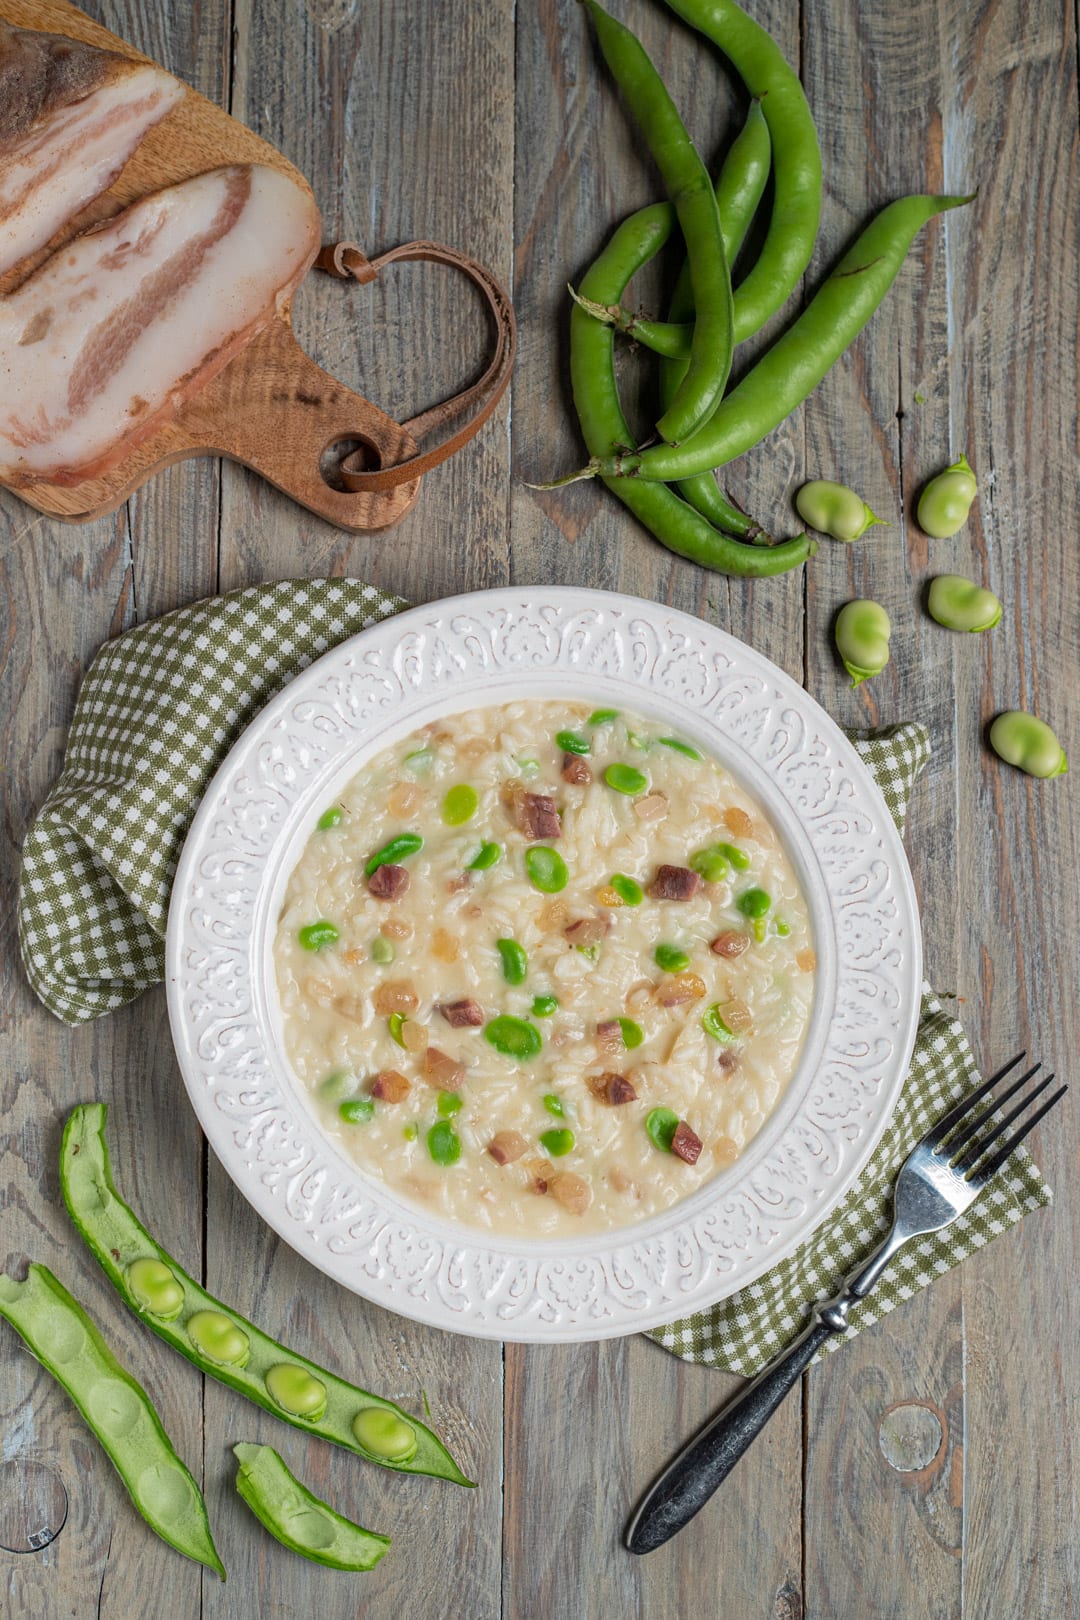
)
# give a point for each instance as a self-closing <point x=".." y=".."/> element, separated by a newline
<point x="994" y="1165"/>
<point x="978" y="1148"/>
<point x="964" y="1136"/>
<point x="944" y="1125"/>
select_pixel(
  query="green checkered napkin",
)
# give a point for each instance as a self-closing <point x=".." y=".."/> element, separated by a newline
<point x="159" y="709"/>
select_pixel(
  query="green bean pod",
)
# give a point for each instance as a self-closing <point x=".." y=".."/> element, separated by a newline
<point x="118" y="1411"/>
<point x="604" y="427"/>
<point x="275" y="1378"/>
<point x="297" y="1518"/>
<point x="792" y="368"/>
<point x="691" y="191"/>
<point x="796" y="211"/>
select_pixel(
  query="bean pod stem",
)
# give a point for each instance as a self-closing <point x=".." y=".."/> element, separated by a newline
<point x="604" y="427"/>
<point x="117" y="1239"/>
<point x="792" y="368"/>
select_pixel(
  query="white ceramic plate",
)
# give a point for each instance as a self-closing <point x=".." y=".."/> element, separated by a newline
<point x="495" y="646"/>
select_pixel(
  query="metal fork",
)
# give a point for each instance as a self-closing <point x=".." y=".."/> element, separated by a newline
<point x="941" y="1177"/>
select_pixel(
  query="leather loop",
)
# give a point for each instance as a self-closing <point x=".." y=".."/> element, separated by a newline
<point x="347" y="260"/>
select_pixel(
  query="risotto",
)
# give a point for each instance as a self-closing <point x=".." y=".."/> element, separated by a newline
<point x="545" y="970"/>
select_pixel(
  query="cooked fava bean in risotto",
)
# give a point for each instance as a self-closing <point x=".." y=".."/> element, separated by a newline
<point x="545" y="969"/>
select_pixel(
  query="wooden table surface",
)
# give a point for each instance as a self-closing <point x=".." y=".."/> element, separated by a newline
<point x="929" y="1468"/>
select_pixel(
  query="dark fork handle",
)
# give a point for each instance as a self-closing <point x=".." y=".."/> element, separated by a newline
<point x="687" y="1483"/>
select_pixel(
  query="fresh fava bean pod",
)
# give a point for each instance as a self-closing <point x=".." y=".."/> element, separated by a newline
<point x="221" y="1343"/>
<point x="596" y="398"/>
<point x="56" y="1329"/>
<point x="1028" y="743"/>
<point x="796" y="209"/>
<point x="691" y="191"/>
<point x="946" y="501"/>
<point x="960" y="604"/>
<point x="835" y="510"/>
<point x="862" y="639"/>
<point x="297" y="1518"/>
<point x="792" y="368"/>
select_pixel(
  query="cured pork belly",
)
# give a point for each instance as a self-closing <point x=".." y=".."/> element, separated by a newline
<point x="70" y="117"/>
<point x="121" y="325"/>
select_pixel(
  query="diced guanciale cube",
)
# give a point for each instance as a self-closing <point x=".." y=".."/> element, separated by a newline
<point x="536" y="816"/>
<point x="572" y="1192"/>
<point x="575" y="770"/>
<point x="686" y="1144"/>
<point x="396" y="996"/>
<point x="462" y="1014"/>
<point x="506" y="1147"/>
<point x="441" y="1070"/>
<point x="609" y="1038"/>
<point x="390" y="1086"/>
<point x="587" y="930"/>
<point x="618" y="1090"/>
<point x="388" y="882"/>
<point x="730" y="943"/>
<point x="674" y="883"/>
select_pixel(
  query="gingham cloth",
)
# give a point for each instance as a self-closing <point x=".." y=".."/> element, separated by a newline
<point x="159" y="709"/>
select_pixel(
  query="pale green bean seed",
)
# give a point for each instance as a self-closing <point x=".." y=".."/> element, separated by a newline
<point x="834" y="509"/>
<point x="1029" y="744"/>
<point x="862" y="639"/>
<point x="384" y="1434"/>
<point x="155" y="1288"/>
<point x="296" y="1391"/>
<point x="219" y="1338"/>
<point x="960" y="604"/>
<point x="946" y="501"/>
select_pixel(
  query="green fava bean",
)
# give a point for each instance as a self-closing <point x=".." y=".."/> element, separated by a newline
<point x="546" y="869"/>
<point x="513" y="1037"/>
<point x="299" y="1519"/>
<point x="381" y="951"/>
<point x="862" y="639"/>
<point x="448" y="1104"/>
<point x="834" y="509"/>
<point x="515" y="963"/>
<point x="626" y="779"/>
<point x="1029" y="744"/>
<point x="116" y="1238"/>
<point x="444" y="1144"/>
<point x="296" y="1391"/>
<point x="554" y="1105"/>
<point x="486" y="856"/>
<point x="356" y="1110"/>
<point x="571" y="743"/>
<point x="946" y="501"/>
<point x="544" y="1006"/>
<point x="330" y="818"/>
<point x="384" y="1434"/>
<point x="460" y="805"/>
<point x="660" y="1126"/>
<point x="754" y="902"/>
<point x="603" y="717"/>
<point x="317" y="934"/>
<point x="629" y="892"/>
<point x="632" y="1034"/>
<point x="65" y="1340"/>
<point x="680" y="747"/>
<point x="670" y="959"/>
<point x="397" y="850"/>
<point x="558" y="1142"/>
<point x="714" y="1025"/>
<point x="155" y="1289"/>
<point x="216" y="1336"/>
<point x="960" y="604"/>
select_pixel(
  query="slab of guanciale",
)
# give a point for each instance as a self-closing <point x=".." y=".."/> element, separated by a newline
<point x="926" y="1469"/>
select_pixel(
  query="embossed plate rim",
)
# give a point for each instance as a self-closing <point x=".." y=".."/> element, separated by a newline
<point x="314" y="1197"/>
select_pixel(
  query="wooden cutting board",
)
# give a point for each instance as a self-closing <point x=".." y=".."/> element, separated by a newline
<point x="272" y="407"/>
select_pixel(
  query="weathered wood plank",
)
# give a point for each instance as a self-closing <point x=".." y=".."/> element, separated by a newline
<point x="394" y="152"/>
<point x="580" y="169"/>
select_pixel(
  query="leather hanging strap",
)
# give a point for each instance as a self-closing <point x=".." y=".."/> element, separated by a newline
<point x="345" y="260"/>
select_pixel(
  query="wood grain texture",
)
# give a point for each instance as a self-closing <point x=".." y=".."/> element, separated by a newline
<point x="495" y="128"/>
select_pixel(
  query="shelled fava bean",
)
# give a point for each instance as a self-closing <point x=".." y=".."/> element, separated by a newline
<point x="834" y="509"/>
<point x="1028" y="743"/>
<point x="946" y="501"/>
<point x="862" y="639"/>
<point x="960" y="604"/>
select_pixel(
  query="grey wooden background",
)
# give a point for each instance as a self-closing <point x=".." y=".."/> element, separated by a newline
<point x="929" y="1469"/>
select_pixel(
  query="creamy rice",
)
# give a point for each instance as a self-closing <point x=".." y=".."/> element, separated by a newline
<point x="337" y="996"/>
